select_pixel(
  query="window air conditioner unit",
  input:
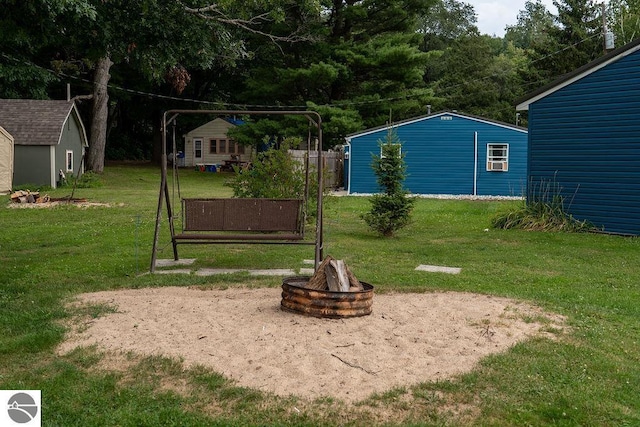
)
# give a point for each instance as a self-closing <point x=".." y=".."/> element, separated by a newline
<point x="497" y="166"/>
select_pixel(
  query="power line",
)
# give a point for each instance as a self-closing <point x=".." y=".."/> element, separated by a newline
<point x="271" y="106"/>
<point x="141" y="93"/>
<point x="199" y="101"/>
<point x="565" y="48"/>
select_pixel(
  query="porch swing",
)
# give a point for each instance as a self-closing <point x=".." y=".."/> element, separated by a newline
<point x="239" y="220"/>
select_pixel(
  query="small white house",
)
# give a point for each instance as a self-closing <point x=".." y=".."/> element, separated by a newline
<point x="209" y="144"/>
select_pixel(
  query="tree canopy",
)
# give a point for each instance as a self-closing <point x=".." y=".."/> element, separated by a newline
<point x="359" y="63"/>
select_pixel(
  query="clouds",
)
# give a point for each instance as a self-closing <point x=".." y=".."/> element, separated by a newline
<point x="495" y="15"/>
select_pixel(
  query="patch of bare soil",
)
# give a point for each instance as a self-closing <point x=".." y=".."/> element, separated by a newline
<point x="51" y="204"/>
<point x="243" y="334"/>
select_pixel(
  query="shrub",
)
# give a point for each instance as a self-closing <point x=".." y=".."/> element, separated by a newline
<point x="276" y="175"/>
<point x="391" y="210"/>
<point x="88" y="179"/>
<point x="273" y="175"/>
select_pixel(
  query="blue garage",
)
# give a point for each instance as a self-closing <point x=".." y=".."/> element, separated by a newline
<point x="445" y="153"/>
<point x="584" y="137"/>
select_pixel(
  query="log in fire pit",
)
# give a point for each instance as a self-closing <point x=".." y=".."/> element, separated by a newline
<point x="333" y="292"/>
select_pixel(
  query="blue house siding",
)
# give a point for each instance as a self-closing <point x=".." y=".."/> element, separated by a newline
<point x="440" y="155"/>
<point x="585" y="139"/>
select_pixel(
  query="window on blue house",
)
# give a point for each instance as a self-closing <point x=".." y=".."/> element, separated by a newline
<point x="497" y="157"/>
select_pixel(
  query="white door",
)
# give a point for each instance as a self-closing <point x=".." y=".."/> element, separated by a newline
<point x="197" y="150"/>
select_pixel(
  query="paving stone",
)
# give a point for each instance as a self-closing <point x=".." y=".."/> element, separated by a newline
<point x="439" y="269"/>
<point x="216" y="271"/>
<point x="272" y="272"/>
<point x="177" y="271"/>
<point x="171" y="262"/>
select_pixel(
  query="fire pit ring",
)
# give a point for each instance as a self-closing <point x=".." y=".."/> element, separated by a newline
<point x="319" y="303"/>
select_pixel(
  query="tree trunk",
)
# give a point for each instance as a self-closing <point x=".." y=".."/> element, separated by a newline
<point x="156" y="153"/>
<point x="99" y="116"/>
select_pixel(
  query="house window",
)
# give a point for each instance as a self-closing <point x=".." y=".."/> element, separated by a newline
<point x="224" y="146"/>
<point x="497" y="157"/>
<point x="69" y="161"/>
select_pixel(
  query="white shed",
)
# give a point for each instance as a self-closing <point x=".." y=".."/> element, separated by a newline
<point x="6" y="161"/>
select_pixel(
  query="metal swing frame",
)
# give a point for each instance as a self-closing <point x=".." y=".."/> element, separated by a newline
<point x="258" y="220"/>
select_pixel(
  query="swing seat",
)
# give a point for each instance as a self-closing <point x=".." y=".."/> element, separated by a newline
<point x="243" y="220"/>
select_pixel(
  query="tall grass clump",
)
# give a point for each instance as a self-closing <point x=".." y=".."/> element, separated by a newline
<point x="543" y="210"/>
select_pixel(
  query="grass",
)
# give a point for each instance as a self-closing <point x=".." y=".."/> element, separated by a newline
<point x="589" y="376"/>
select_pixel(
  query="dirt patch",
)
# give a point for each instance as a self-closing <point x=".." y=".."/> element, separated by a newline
<point x="244" y="335"/>
<point x="55" y="203"/>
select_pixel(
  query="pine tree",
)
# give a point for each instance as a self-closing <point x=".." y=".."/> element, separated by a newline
<point x="390" y="210"/>
<point x="572" y="43"/>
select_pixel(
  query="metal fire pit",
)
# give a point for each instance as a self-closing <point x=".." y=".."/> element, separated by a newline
<point x="317" y="303"/>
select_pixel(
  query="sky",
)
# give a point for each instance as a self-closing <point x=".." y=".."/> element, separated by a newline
<point x="495" y="15"/>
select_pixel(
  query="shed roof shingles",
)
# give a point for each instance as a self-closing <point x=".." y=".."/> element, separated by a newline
<point x="34" y="122"/>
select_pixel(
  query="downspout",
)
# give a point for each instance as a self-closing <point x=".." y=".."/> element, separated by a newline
<point x="475" y="163"/>
<point x="349" y="168"/>
<point x="52" y="166"/>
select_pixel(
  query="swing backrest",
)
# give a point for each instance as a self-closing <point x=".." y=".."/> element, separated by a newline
<point x="243" y="214"/>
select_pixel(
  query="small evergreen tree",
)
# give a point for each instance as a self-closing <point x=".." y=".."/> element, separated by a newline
<point x="390" y="210"/>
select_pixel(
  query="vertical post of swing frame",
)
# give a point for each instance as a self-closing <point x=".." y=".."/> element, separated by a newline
<point x="319" y="247"/>
<point x="163" y="196"/>
<point x="172" y="228"/>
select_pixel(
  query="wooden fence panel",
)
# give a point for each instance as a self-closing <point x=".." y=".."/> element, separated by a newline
<point x="332" y="161"/>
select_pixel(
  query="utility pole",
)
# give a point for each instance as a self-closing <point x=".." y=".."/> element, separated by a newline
<point x="608" y="42"/>
<point x="604" y="27"/>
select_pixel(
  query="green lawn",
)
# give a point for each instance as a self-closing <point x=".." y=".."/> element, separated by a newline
<point x="589" y="376"/>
